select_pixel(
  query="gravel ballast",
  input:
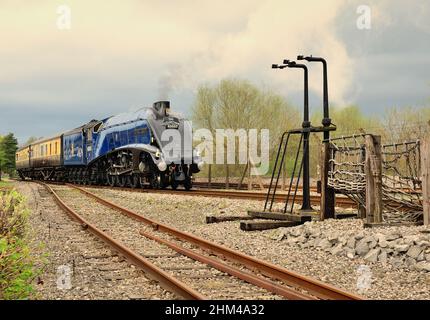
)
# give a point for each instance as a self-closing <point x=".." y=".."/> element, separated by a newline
<point x="360" y="274"/>
<point x="95" y="271"/>
<point x="208" y="281"/>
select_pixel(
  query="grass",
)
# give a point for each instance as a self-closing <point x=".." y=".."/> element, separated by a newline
<point x="16" y="263"/>
<point x="5" y="184"/>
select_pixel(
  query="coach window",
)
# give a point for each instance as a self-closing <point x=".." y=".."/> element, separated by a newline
<point x="56" y="147"/>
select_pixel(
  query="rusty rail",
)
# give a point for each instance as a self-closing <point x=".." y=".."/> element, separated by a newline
<point x="245" y="276"/>
<point x="317" y="288"/>
<point x="156" y="273"/>
<point x="235" y="185"/>
<point x="177" y="286"/>
<point x="280" y="197"/>
<point x="342" y="202"/>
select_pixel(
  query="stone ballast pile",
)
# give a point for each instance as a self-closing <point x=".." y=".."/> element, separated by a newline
<point x="406" y="247"/>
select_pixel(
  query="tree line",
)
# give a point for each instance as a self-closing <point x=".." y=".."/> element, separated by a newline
<point x="8" y="147"/>
<point x="239" y="104"/>
<point x="236" y="103"/>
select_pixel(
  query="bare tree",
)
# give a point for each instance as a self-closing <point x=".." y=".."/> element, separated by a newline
<point x="238" y="104"/>
<point x="405" y="124"/>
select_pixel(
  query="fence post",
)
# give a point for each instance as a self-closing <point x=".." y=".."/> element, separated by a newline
<point x="362" y="208"/>
<point x="327" y="193"/>
<point x="373" y="170"/>
<point x="284" y="176"/>
<point x="425" y="176"/>
<point x="227" y="177"/>
<point x="210" y="176"/>
<point x="249" y="175"/>
<point x="243" y="176"/>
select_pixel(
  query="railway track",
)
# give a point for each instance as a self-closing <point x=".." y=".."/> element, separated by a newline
<point x="235" y="185"/>
<point x="183" y="254"/>
<point x="279" y="197"/>
<point x="96" y="271"/>
<point x="341" y="201"/>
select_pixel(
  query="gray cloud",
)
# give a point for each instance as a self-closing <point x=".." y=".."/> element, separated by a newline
<point x="392" y="62"/>
<point x="121" y="56"/>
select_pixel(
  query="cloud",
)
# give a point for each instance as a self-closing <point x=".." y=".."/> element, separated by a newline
<point x="121" y="55"/>
<point x="283" y="29"/>
<point x="180" y="43"/>
<point x="273" y="30"/>
<point x="392" y="64"/>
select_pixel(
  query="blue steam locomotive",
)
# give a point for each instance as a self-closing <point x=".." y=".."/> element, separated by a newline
<point x="128" y="149"/>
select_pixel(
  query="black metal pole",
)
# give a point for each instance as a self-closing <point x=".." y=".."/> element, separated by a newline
<point x="327" y="194"/>
<point x="326" y="121"/>
<point x="306" y="204"/>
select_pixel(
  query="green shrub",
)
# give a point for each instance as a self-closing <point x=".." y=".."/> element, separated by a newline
<point x="16" y="263"/>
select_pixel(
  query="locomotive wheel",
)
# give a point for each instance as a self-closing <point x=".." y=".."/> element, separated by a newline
<point x="174" y="184"/>
<point x="77" y="179"/>
<point x="111" y="179"/>
<point x="104" y="179"/>
<point x="188" y="184"/>
<point x="122" y="181"/>
<point x="164" y="181"/>
<point x="134" y="181"/>
<point x="93" y="180"/>
<point x="81" y="177"/>
<point x="142" y="182"/>
<point x="154" y="182"/>
<point x="85" y="177"/>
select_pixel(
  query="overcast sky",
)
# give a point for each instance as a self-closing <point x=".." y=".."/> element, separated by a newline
<point x="121" y="55"/>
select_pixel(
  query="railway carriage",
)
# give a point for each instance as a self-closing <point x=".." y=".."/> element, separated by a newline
<point x="41" y="159"/>
<point x="123" y="150"/>
<point x="22" y="158"/>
